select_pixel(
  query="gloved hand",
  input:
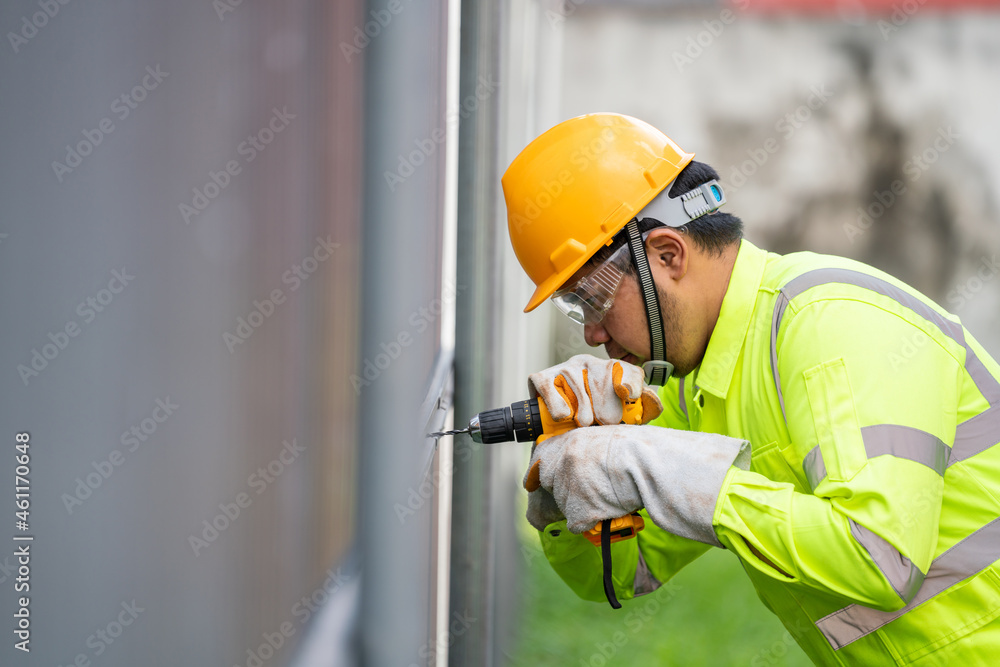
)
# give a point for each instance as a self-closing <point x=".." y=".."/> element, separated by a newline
<point x="542" y="509"/>
<point x="591" y="390"/>
<point x="605" y="472"/>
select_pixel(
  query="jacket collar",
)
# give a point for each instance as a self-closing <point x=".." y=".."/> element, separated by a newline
<point x="715" y="373"/>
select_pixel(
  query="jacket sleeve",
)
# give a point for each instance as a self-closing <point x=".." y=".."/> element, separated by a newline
<point x="639" y="566"/>
<point x="870" y="399"/>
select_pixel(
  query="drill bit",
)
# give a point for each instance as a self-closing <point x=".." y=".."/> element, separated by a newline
<point x="437" y="437"/>
<point x="438" y="434"/>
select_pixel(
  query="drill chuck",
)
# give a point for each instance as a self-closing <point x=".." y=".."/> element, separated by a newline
<point x="521" y="421"/>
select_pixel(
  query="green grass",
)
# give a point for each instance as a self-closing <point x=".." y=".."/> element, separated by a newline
<point x="708" y="614"/>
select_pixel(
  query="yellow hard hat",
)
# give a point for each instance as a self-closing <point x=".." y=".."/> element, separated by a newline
<point x="575" y="186"/>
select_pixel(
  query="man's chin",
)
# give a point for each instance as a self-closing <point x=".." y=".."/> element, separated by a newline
<point x="686" y="369"/>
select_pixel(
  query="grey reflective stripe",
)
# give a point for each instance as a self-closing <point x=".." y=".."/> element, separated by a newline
<point x="814" y="467"/>
<point x="644" y="581"/>
<point x="902" y="442"/>
<point x="971" y="437"/>
<point x="906" y="442"/>
<point x="974" y="553"/>
<point x="779" y="311"/>
<point x="684" y="407"/>
<point x="967" y="558"/>
<point x="904" y="576"/>
<point x="985" y="382"/>
<point x="976" y="434"/>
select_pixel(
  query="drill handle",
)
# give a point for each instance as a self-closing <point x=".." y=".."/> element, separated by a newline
<point x="631" y="414"/>
<point x="622" y="528"/>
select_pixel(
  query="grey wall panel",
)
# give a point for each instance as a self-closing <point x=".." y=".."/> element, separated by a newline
<point x="403" y="217"/>
<point x="266" y="69"/>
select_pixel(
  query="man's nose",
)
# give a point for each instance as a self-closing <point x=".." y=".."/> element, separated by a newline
<point x="595" y="334"/>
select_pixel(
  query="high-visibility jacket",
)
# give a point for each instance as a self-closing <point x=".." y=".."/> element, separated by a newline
<point x="874" y="484"/>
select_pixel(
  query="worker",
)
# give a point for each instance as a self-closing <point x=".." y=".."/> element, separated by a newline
<point x="829" y="425"/>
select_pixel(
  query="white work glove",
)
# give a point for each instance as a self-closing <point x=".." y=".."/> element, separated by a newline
<point x="591" y="390"/>
<point x="542" y="509"/>
<point x="604" y="472"/>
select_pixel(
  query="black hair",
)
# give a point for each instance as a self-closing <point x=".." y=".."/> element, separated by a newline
<point x="713" y="233"/>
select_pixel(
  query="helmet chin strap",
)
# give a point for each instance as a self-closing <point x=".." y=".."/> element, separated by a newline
<point x="672" y="212"/>
<point x="658" y="370"/>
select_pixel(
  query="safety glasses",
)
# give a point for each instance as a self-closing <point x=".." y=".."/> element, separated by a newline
<point x="589" y="298"/>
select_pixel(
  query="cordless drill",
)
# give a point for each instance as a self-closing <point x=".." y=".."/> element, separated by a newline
<point x="530" y="421"/>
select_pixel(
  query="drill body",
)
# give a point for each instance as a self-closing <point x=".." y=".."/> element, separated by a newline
<point x="530" y="421"/>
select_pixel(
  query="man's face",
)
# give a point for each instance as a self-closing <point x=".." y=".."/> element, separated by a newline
<point x="624" y="331"/>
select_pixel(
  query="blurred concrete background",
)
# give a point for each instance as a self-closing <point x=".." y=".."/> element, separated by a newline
<point x="852" y="131"/>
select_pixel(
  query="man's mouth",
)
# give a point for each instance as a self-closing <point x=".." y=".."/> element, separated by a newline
<point x="630" y="359"/>
<point x="618" y="353"/>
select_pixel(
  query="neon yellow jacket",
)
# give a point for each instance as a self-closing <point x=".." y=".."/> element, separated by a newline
<point x="874" y="482"/>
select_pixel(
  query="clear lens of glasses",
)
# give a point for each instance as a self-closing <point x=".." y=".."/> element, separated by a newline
<point x="588" y="300"/>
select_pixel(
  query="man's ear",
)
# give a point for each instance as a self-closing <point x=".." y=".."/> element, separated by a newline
<point x="668" y="250"/>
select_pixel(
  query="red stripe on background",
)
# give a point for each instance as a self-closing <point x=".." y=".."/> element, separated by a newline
<point x="875" y="6"/>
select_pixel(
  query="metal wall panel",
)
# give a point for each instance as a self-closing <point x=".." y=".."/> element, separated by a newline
<point x="226" y="70"/>
<point x="404" y="208"/>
